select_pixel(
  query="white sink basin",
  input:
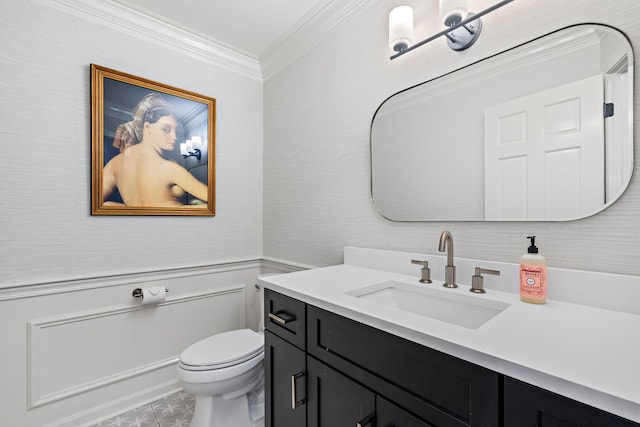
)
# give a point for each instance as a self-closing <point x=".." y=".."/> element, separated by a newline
<point x="469" y="311"/>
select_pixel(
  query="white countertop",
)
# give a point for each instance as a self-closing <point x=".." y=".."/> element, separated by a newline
<point x="585" y="353"/>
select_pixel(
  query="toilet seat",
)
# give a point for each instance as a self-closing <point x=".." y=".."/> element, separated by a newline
<point x="222" y="350"/>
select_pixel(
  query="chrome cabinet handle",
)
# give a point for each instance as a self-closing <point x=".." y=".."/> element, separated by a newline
<point x="295" y="403"/>
<point x="282" y="317"/>
<point x="365" y="421"/>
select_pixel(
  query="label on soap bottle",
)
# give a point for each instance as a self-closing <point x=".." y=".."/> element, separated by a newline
<point x="533" y="281"/>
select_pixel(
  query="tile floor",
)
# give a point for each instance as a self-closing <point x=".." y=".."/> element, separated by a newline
<point x="174" y="410"/>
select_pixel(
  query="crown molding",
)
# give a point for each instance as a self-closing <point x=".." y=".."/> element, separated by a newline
<point x="123" y="16"/>
<point x="129" y="20"/>
<point x="313" y="27"/>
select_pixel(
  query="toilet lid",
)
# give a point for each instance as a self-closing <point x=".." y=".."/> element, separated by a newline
<point x="224" y="349"/>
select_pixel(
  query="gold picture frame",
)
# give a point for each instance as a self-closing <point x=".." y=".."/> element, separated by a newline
<point x="153" y="147"/>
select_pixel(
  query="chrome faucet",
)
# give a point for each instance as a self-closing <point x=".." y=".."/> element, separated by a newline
<point x="446" y="241"/>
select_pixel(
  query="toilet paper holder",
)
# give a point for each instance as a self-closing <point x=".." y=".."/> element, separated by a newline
<point x="137" y="292"/>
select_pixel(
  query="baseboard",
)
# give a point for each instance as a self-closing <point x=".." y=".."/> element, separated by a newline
<point x="116" y="407"/>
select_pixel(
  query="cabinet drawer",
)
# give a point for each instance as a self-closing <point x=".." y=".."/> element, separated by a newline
<point x="456" y="392"/>
<point x="285" y="317"/>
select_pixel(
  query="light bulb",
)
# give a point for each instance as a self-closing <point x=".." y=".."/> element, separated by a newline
<point x="450" y="10"/>
<point x="400" y="28"/>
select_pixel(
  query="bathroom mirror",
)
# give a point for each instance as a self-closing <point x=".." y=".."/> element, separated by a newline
<point x="540" y="132"/>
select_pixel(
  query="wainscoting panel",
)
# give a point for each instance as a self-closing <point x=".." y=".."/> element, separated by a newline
<point x="78" y="352"/>
<point x="127" y="341"/>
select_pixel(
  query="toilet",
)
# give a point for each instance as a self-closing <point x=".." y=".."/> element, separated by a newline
<point x="225" y="372"/>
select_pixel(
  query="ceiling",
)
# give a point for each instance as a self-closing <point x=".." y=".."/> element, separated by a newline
<point x="251" y="27"/>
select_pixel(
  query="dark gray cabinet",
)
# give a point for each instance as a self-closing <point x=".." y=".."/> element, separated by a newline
<point x="285" y="361"/>
<point x="325" y="370"/>
<point x="285" y="375"/>
<point x="337" y="401"/>
<point x="434" y="387"/>
<point x="529" y="406"/>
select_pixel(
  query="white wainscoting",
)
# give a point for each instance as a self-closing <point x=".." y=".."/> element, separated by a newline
<point x="77" y="352"/>
<point x="135" y="339"/>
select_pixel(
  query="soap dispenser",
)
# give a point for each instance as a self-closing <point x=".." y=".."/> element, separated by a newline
<point x="533" y="275"/>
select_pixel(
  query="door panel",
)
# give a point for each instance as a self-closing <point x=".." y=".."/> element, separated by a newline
<point x="550" y="147"/>
<point x="283" y="361"/>
<point x="335" y="400"/>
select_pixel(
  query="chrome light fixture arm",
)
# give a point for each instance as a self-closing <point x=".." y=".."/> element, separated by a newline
<point x="460" y="35"/>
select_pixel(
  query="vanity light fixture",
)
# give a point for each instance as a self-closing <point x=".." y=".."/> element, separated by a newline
<point x="462" y="27"/>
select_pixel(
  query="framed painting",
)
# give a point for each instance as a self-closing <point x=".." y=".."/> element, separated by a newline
<point x="153" y="147"/>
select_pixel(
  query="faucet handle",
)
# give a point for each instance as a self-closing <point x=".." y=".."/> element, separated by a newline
<point x="425" y="272"/>
<point x="477" y="279"/>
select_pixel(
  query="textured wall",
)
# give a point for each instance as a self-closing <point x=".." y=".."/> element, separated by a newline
<point x="317" y="118"/>
<point x="46" y="229"/>
<point x="48" y="237"/>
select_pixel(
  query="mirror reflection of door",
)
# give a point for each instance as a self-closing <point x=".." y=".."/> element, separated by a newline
<point x="427" y="141"/>
<point x="544" y="154"/>
<point x="618" y="129"/>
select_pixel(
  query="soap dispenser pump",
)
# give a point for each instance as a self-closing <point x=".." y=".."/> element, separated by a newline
<point x="533" y="275"/>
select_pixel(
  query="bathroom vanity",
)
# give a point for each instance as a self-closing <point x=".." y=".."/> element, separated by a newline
<point x="342" y="372"/>
<point x="334" y="356"/>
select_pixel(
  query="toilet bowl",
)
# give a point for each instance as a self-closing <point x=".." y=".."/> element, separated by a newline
<point x="223" y="371"/>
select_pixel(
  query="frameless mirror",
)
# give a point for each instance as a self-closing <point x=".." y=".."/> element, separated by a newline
<point x="540" y="132"/>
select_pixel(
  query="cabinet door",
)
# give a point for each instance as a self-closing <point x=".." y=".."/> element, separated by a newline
<point x="446" y="391"/>
<point x="285" y="387"/>
<point x="390" y="415"/>
<point x="336" y="400"/>
<point x="529" y="406"/>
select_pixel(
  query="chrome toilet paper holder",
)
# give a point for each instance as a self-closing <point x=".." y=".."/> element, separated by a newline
<point x="137" y="292"/>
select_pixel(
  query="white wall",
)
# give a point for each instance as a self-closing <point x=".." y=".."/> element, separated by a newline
<point x="47" y="229"/>
<point x="75" y="345"/>
<point x="317" y="117"/>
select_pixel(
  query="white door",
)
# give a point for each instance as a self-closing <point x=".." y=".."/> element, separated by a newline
<point x="619" y="135"/>
<point x="544" y="154"/>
